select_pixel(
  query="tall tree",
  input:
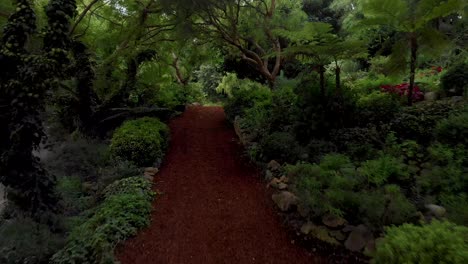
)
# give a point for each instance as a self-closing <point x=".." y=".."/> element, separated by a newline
<point x="248" y="27"/>
<point x="316" y="43"/>
<point x="24" y="85"/>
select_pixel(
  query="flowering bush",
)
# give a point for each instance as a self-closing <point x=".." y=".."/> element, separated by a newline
<point x="402" y="90"/>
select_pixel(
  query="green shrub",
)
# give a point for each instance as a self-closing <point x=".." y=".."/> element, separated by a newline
<point x="438" y="242"/>
<point x="258" y="120"/>
<point x="281" y="146"/>
<point x="142" y="141"/>
<point x="24" y="241"/>
<point x="377" y="107"/>
<point x="244" y="95"/>
<point x="447" y="173"/>
<point x="453" y="130"/>
<point x="360" y="143"/>
<point x="319" y="148"/>
<point x="325" y="188"/>
<point x="383" y="170"/>
<point x="384" y="206"/>
<point x="454" y="81"/>
<point x="419" y="121"/>
<point x="125" y="210"/>
<point x="132" y="185"/>
<point x="457" y="207"/>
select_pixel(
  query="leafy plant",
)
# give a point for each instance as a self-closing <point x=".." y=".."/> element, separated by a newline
<point x="437" y="242"/>
<point x="384" y="169"/>
<point x="453" y="130"/>
<point x="454" y="81"/>
<point x="142" y="141"/>
<point x="26" y="241"/>
<point x="280" y="146"/>
<point x="125" y="210"/>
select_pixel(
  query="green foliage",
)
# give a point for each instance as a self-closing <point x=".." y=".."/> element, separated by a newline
<point x="457" y="207"/>
<point x="385" y="206"/>
<point x="24" y="85"/>
<point x="125" y="210"/>
<point x="453" y="130"/>
<point x="360" y="143"/>
<point x="377" y="107"/>
<point x="447" y="174"/>
<point x="454" y="80"/>
<point x="243" y="94"/>
<point x="131" y="185"/>
<point x="280" y="146"/>
<point x="142" y="141"/>
<point x="25" y="241"/>
<point x="437" y="242"/>
<point x="419" y="121"/>
<point x="383" y="170"/>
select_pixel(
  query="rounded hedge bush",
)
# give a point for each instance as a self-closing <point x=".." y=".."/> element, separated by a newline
<point x="438" y="242"/>
<point x="454" y="81"/>
<point x="142" y="141"/>
<point x="453" y="130"/>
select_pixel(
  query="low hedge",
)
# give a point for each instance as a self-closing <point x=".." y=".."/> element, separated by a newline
<point x="125" y="209"/>
<point x="142" y="141"/>
<point x="437" y="242"/>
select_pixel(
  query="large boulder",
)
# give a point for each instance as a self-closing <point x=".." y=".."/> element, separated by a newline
<point x="430" y="96"/>
<point x="274" y="166"/>
<point x="435" y="210"/>
<point x="359" y="238"/>
<point x="333" y="221"/>
<point x="285" y="200"/>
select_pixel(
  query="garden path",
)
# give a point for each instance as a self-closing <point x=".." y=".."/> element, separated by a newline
<point x="214" y="208"/>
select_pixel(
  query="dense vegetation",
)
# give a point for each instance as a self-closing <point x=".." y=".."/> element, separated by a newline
<point x="363" y="102"/>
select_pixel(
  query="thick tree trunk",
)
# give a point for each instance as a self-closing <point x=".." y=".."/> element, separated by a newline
<point x="413" y="64"/>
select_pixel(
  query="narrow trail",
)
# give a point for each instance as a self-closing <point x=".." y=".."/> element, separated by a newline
<point x="214" y="208"/>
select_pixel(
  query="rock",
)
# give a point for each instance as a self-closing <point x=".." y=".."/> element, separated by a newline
<point x="307" y="228"/>
<point x="435" y="210"/>
<point x="321" y="233"/>
<point x="282" y="186"/>
<point x="338" y="235"/>
<point x="348" y="228"/>
<point x="333" y="221"/>
<point x="284" y="179"/>
<point x="274" y="183"/>
<point x="274" y="166"/>
<point x="196" y="104"/>
<point x="358" y="238"/>
<point x="430" y="96"/>
<point x="304" y="156"/>
<point x="285" y="200"/>
<point x="151" y="171"/>
<point x="457" y="99"/>
<point x="149" y="178"/>
<point x="268" y="175"/>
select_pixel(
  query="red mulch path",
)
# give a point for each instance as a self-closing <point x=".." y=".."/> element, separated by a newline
<point x="214" y="208"/>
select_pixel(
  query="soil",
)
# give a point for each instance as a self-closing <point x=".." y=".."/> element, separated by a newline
<point x="214" y="207"/>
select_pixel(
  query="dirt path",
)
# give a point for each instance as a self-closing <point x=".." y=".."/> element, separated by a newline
<point x="214" y="209"/>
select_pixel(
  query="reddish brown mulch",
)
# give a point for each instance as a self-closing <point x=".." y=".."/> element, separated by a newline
<point x="214" y="208"/>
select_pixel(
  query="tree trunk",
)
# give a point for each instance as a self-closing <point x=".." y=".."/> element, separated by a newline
<point x="413" y="64"/>
<point x="338" y="80"/>
<point x="322" y="80"/>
